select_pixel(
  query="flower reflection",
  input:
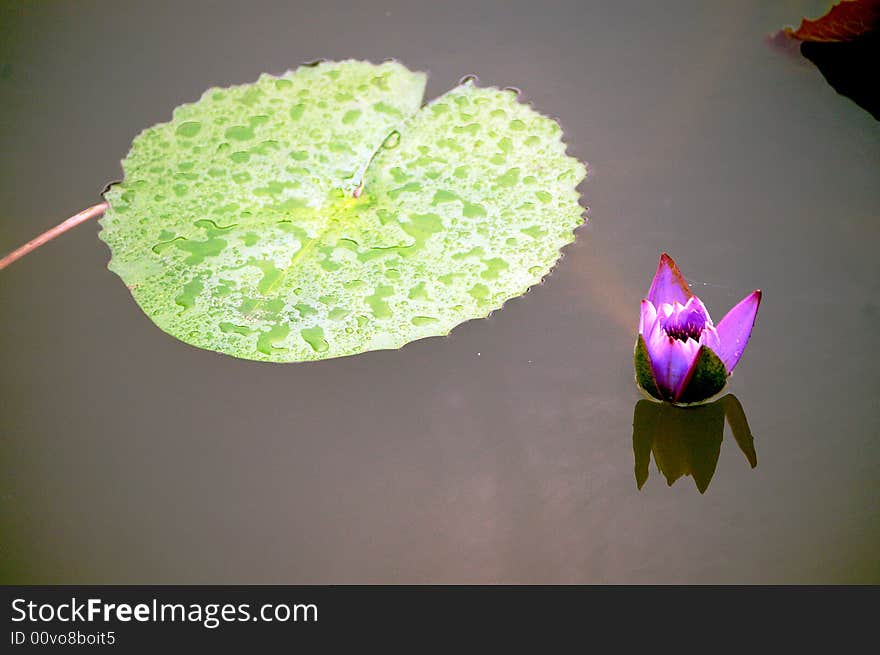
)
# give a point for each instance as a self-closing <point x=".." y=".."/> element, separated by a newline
<point x="687" y="440"/>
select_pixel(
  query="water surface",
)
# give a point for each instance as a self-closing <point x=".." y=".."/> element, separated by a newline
<point x="505" y="452"/>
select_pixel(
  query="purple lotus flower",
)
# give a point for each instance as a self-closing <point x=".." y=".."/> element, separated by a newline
<point x="681" y="356"/>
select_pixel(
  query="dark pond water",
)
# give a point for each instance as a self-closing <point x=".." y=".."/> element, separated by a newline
<point x="505" y="452"/>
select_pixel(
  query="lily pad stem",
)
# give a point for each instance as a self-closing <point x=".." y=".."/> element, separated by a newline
<point x="48" y="235"/>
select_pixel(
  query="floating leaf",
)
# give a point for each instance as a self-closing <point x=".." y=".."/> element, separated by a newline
<point x="322" y="213"/>
<point x="848" y="20"/>
<point x="844" y="44"/>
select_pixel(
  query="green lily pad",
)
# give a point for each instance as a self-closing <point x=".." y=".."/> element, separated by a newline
<point x="324" y="213"/>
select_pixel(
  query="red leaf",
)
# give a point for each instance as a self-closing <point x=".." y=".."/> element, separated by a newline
<point x="846" y="21"/>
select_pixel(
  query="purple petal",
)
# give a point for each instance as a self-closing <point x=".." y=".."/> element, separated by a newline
<point x="735" y="328"/>
<point x="709" y="338"/>
<point x="696" y="306"/>
<point x="647" y="318"/>
<point x="668" y="285"/>
<point x="683" y="321"/>
<point x="686" y="380"/>
<point x="671" y="360"/>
